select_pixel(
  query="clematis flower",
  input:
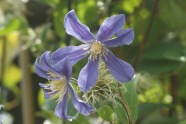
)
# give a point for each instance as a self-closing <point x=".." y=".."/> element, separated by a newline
<point x="59" y="75"/>
<point x="97" y="47"/>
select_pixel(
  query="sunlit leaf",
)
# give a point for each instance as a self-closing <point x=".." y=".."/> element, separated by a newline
<point x="183" y="122"/>
<point x="41" y="99"/>
<point x="10" y="26"/>
<point x="130" y="5"/>
<point x="12" y="76"/>
<point x="58" y="17"/>
<point x="88" y="15"/>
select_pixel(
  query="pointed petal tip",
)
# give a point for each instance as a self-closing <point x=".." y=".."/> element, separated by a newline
<point x="81" y="106"/>
<point x="110" y="26"/>
<point x="74" y="27"/>
<point x="119" y="69"/>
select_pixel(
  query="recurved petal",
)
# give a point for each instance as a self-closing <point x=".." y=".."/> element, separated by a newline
<point x="44" y="61"/>
<point x="61" y="108"/>
<point x="88" y="75"/>
<point x="46" y="90"/>
<point x="120" y="70"/>
<point x="110" y="26"/>
<point x="81" y="106"/>
<point x="75" y="28"/>
<point x="39" y="71"/>
<point x="74" y="53"/>
<point x="124" y="37"/>
<point x="43" y="66"/>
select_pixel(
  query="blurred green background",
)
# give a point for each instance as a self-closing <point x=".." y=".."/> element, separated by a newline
<point x="158" y="53"/>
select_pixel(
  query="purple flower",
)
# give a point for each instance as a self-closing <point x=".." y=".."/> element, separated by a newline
<point x="97" y="47"/>
<point x="59" y="75"/>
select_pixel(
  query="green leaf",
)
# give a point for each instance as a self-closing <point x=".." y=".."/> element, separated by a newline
<point x="172" y="16"/>
<point x="10" y="26"/>
<point x="131" y="97"/>
<point x="12" y="76"/>
<point x="145" y="109"/>
<point x="41" y="99"/>
<point x="58" y="17"/>
<point x="157" y="118"/>
<point x="183" y="122"/>
<point x="106" y="113"/>
<point x="87" y="15"/>
<point x="130" y="5"/>
<point x="121" y="113"/>
<point x="164" y="50"/>
<point x="159" y="66"/>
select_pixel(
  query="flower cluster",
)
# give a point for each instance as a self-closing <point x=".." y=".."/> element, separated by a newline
<point x="57" y="66"/>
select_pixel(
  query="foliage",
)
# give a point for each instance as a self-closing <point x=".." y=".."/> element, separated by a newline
<point x="156" y="95"/>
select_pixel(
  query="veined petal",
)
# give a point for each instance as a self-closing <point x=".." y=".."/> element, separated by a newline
<point x="88" y="75"/>
<point x="120" y="70"/>
<point x="64" y="68"/>
<point x="75" y="28"/>
<point x="44" y="66"/>
<point x="124" y="37"/>
<point x="39" y="71"/>
<point x="61" y="108"/>
<point x="110" y="26"/>
<point x="42" y="72"/>
<point x="47" y="96"/>
<point x="81" y="106"/>
<point x="74" y="53"/>
<point x="44" y="61"/>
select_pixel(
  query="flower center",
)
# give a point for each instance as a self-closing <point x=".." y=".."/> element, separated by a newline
<point x="58" y="87"/>
<point x="96" y="49"/>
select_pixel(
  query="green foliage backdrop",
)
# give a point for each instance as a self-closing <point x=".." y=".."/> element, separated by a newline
<point x="158" y="54"/>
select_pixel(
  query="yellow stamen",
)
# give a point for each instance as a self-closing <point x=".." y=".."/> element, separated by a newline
<point x="97" y="49"/>
<point x="58" y="87"/>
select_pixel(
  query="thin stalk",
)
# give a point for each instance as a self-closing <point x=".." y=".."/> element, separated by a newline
<point x="146" y="36"/>
<point x="26" y="88"/>
<point x="3" y="58"/>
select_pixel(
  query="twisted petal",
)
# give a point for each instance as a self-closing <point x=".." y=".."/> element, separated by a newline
<point x="39" y="71"/>
<point x="43" y="66"/>
<point x="45" y="62"/>
<point x="74" y="53"/>
<point x="61" y="108"/>
<point x="75" y="28"/>
<point x="124" y="37"/>
<point x="81" y="106"/>
<point x="110" y="26"/>
<point x="119" y="69"/>
<point x="88" y="75"/>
